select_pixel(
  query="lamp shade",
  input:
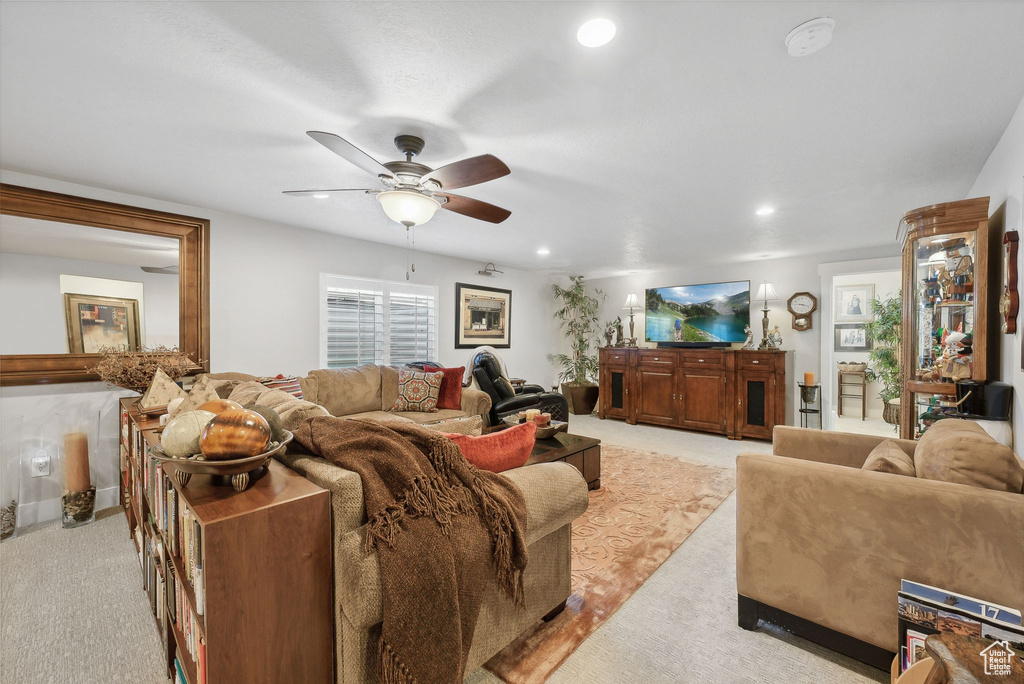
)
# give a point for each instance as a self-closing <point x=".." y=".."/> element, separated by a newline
<point x="407" y="207"/>
<point x="632" y="301"/>
<point x="766" y="292"/>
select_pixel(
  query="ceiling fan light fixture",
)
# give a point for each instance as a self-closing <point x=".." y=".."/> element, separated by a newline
<point x="408" y="207"/>
<point x="596" y="32"/>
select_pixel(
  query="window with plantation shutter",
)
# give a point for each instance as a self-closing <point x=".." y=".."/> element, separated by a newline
<point x="373" y="321"/>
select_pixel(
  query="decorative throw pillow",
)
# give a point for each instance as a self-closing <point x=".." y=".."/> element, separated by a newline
<point x="285" y="383"/>
<point x="451" y="388"/>
<point x="954" y="450"/>
<point x="418" y="391"/>
<point x="466" y="425"/>
<point x="887" y="457"/>
<point x="501" y="450"/>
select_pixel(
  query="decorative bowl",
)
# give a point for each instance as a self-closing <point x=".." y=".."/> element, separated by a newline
<point x="852" y="367"/>
<point x="543" y="432"/>
<point x="237" y="468"/>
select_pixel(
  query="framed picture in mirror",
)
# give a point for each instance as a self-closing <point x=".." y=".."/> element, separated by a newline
<point x="96" y="324"/>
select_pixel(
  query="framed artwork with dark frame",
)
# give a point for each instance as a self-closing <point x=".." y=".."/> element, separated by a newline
<point x="852" y="337"/>
<point x="96" y="323"/>
<point x="483" y="316"/>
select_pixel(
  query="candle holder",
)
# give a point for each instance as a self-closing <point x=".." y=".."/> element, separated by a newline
<point x="78" y="493"/>
<point x="10" y="481"/>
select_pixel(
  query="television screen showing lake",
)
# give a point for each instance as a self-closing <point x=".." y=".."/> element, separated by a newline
<point x="715" y="312"/>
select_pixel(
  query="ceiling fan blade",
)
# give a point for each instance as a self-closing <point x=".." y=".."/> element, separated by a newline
<point x="473" y="208"/>
<point x="310" y="193"/>
<point x="472" y="171"/>
<point x="162" y="270"/>
<point x="349" y="152"/>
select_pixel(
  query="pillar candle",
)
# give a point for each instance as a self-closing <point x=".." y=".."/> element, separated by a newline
<point x="76" y="462"/>
<point x="531" y="414"/>
<point x="808" y="378"/>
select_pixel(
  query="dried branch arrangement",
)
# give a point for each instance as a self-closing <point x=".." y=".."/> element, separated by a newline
<point x="135" y="370"/>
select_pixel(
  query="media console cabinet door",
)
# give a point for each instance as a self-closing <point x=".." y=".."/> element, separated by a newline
<point x="703" y="399"/>
<point x="656" y="394"/>
<point x="755" y="404"/>
<point x="615" y="397"/>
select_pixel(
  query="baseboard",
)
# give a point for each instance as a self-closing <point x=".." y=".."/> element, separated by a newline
<point x="751" y="612"/>
<point x="49" y="509"/>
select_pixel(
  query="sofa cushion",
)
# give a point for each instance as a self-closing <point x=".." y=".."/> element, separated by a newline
<point x="292" y="411"/>
<point x="417" y="391"/>
<point x="388" y="387"/>
<point x="343" y="391"/>
<point x="450" y="396"/>
<point x="888" y="457"/>
<point x="962" y="452"/>
<point x="379" y="415"/>
<point x="465" y="425"/>
<point x="420" y="417"/>
<point x="501" y="450"/>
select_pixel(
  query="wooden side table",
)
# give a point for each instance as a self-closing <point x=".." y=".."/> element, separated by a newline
<point x="862" y="383"/>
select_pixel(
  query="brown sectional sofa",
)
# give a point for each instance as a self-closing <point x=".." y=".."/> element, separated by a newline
<point x="821" y="545"/>
<point x="555" y="493"/>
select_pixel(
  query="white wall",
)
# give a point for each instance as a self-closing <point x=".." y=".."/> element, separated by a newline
<point x="264" y="313"/>
<point x="887" y="285"/>
<point x="789" y="276"/>
<point x="30" y="290"/>
<point x="1002" y="179"/>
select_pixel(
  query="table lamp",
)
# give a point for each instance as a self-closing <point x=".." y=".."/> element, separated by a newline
<point x="632" y="302"/>
<point x="766" y="293"/>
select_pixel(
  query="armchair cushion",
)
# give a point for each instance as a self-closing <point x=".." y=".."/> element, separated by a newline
<point x="959" y="451"/>
<point x="887" y="457"/>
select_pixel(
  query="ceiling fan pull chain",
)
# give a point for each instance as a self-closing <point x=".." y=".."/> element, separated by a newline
<point x="408" y="255"/>
<point x="412" y="231"/>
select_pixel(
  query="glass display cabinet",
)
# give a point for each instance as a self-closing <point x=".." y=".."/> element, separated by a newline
<point x="950" y="325"/>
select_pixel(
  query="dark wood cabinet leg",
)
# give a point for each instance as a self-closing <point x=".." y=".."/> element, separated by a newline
<point x="554" y="612"/>
<point x="747" y="612"/>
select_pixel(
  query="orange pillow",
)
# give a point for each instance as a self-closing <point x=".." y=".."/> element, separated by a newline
<point x="498" y="451"/>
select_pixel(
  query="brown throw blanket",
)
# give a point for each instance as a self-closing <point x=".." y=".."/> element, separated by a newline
<point x="441" y="528"/>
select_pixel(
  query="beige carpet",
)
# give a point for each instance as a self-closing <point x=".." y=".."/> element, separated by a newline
<point x="647" y="506"/>
<point x="72" y="609"/>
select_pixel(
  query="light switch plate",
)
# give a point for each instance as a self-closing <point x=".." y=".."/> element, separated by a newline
<point x="40" y="464"/>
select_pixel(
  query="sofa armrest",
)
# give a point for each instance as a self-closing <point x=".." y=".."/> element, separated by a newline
<point x="830" y="544"/>
<point x="476" y="402"/>
<point x="837" y="448"/>
<point x="555" y="493"/>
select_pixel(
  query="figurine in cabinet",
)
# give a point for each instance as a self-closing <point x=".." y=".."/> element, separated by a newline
<point x="955" y="363"/>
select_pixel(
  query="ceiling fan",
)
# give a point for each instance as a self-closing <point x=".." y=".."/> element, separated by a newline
<point x="413" y="191"/>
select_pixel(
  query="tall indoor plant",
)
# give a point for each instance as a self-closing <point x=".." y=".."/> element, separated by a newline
<point x="578" y="318"/>
<point x="884" y="331"/>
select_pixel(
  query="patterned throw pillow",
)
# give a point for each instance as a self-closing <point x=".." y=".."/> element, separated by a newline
<point x="285" y="383"/>
<point x="418" y="391"/>
<point x="466" y="425"/>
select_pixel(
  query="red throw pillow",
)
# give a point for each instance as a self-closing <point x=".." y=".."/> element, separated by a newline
<point x="498" y="451"/>
<point x="451" y="388"/>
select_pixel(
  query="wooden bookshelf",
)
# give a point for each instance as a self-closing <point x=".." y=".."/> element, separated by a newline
<point x="263" y="556"/>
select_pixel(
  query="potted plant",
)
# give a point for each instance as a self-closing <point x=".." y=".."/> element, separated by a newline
<point x="884" y="330"/>
<point x="578" y="318"/>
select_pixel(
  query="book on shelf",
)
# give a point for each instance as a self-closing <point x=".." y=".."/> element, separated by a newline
<point x="189" y="626"/>
<point x="179" y="676"/>
<point x="925" y="610"/>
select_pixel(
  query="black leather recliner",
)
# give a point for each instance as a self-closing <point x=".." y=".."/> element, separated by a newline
<point x="506" y="400"/>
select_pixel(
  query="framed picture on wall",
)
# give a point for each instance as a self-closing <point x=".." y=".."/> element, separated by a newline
<point x="852" y="338"/>
<point x="95" y="323"/>
<point x="853" y="303"/>
<point x="483" y="315"/>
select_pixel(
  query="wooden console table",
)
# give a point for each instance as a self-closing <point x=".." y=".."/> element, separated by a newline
<point x="239" y="582"/>
<point x="736" y="392"/>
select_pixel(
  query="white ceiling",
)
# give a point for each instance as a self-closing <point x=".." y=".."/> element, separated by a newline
<point x="21" y="235"/>
<point x="647" y="154"/>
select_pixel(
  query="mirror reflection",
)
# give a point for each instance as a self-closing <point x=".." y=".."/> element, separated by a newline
<point x="69" y="288"/>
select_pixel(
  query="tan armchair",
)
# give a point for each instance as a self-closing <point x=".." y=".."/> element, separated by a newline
<point x="821" y="545"/>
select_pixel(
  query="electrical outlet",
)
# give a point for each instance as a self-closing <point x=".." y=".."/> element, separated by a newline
<point x="40" y="464"/>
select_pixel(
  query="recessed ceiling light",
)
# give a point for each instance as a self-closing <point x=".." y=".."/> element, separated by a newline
<point x="596" y="32"/>
<point x="321" y="195"/>
<point x="764" y="211"/>
<point x="809" y="37"/>
<point x="543" y="251"/>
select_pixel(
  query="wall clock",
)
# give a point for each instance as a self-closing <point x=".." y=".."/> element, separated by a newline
<point x="1009" y="301"/>
<point x="802" y="305"/>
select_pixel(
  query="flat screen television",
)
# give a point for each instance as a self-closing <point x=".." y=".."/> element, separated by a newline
<point x="711" y="314"/>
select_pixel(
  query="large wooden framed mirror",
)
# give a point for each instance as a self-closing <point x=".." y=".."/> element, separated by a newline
<point x="78" y="274"/>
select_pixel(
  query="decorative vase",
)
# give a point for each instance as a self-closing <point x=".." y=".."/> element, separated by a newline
<point x="78" y="494"/>
<point x="808" y="393"/>
<point x="582" y="399"/>
<point x="891" y="412"/>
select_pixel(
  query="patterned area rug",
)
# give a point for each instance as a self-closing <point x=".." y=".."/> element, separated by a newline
<point x="647" y="506"/>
